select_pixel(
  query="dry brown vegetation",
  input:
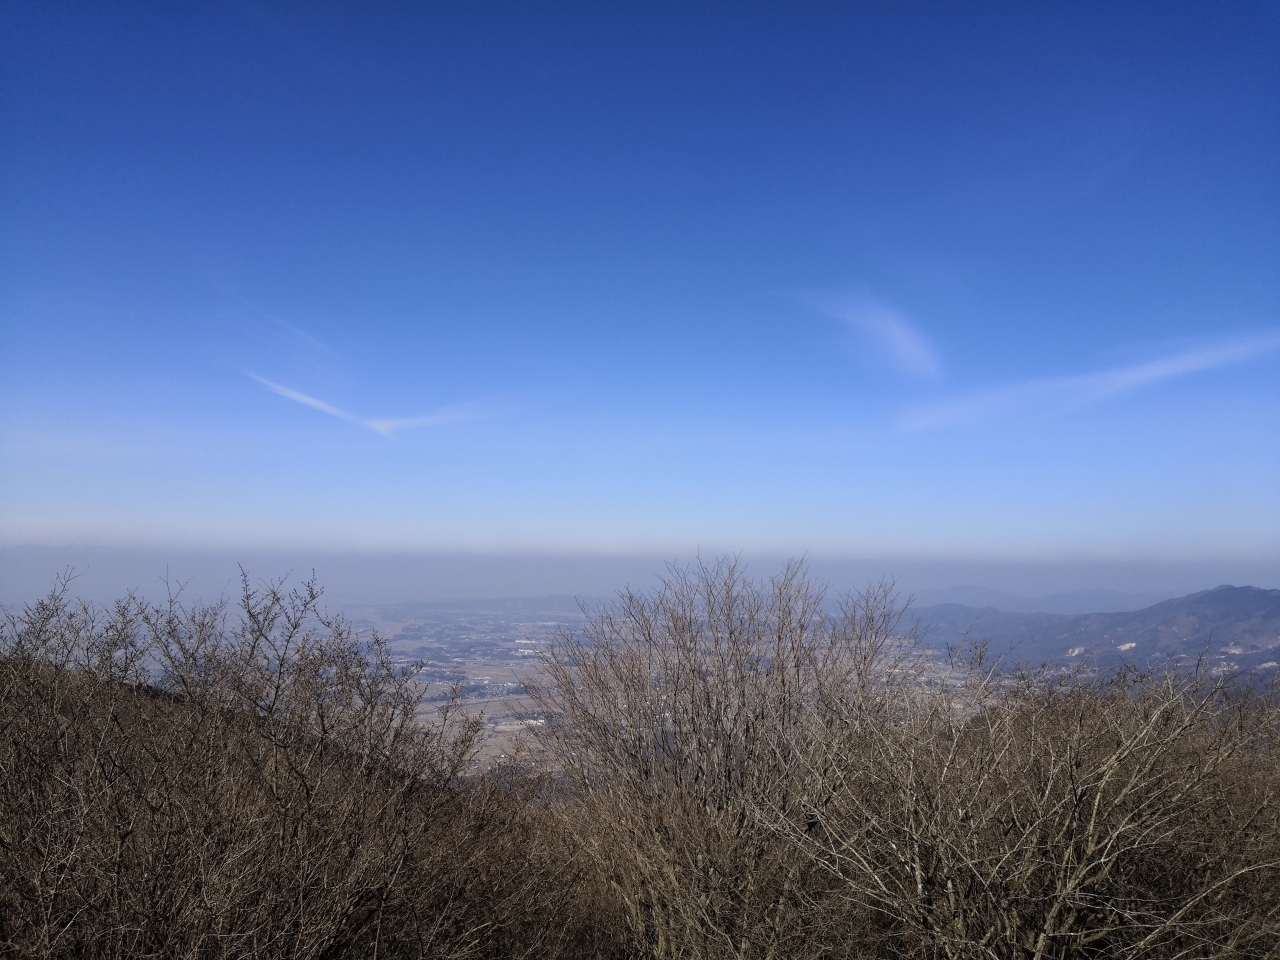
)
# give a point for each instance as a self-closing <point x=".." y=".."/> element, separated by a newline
<point x="727" y="769"/>
<point x="171" y="785"/>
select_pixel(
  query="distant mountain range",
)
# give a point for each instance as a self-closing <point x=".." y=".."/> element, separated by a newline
<point x="1234" y="628"/>
<point x="1077" y="601"/>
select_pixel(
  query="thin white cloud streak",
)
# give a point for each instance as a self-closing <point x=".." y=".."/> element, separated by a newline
<point x="1080" y="390"/>
<point x="890" y="330"/>
<point x="386" y="427"/>
<point x="308" y="401"/>
<point x="282" y="325"/>
<point x="452" y="414"/>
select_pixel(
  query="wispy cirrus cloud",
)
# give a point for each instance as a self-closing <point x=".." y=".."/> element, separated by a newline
<point x="278" y="324"/>
<point x="386" y="427"/>
<point x="1085" y="389"/>
<point x="892" y="332"/>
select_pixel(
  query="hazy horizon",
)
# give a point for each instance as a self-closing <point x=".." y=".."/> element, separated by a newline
<point x="356" y="579"/>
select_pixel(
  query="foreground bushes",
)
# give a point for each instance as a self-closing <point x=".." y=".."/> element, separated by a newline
<point x="172" y="786"/>
<point x="728" y="772"/>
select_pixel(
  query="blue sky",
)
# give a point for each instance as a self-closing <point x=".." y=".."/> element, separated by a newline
<point x="979" y="280"/>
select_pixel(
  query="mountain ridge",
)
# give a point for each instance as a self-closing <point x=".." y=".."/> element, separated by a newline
<point x="1233" y="628"/>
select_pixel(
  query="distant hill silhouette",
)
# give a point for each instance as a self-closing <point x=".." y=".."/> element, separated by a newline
<point x="1236" y="628"/>
<point x="1078" y="601"/>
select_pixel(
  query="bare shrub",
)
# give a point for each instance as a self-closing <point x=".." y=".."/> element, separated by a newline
<point x="1035" y="815"/>
<point x="676" y="716"/>
<point x="172" y="784"/>
<point x="751" y="777"/>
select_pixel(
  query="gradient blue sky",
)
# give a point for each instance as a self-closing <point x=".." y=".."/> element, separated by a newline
<point x="969" y="280"/>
